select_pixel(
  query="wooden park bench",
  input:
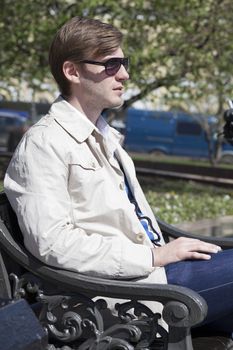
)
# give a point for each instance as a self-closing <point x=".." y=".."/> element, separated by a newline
<point x="71" y="309"/>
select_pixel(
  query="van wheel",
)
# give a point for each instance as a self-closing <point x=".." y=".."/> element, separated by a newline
<point x="226" y="159"/>
<point x="157" y="155"/>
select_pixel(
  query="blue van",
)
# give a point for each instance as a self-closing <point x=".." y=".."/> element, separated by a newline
<point x="12" y="126"/>
<point x="171" y="133"/>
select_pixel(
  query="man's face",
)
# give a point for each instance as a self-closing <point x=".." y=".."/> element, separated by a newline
<point x="97" y="88"/>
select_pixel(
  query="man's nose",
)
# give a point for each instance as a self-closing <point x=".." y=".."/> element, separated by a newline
<point x="122" y="74"/>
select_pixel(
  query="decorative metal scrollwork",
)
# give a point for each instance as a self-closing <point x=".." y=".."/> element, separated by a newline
<point x="145" y="320"/>
<point x="77" y="319"/>
<point x="24" y="287"/>
<point x="80" y="322"/>
<point x="61" y="315"/>
<point x="176" y="314"/>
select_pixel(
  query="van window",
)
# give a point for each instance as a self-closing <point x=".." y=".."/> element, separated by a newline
<point x="188" y="128"/>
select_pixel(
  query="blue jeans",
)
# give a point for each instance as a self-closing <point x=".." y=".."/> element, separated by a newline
<point x="213" y="280"/>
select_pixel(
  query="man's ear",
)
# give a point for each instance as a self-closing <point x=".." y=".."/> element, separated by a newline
<point x="70" y="72"/>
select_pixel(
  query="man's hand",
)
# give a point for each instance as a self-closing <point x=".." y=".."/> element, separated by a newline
<point x="183" y="249"/>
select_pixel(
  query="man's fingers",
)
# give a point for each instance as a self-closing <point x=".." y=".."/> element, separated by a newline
<point x="184" y="249"/>
<point x="197" y="245"/>
<point x="198" y="256"/>
<point x="207" y="248"/>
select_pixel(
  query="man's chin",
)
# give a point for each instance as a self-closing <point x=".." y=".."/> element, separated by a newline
<point x="117" y="104"/>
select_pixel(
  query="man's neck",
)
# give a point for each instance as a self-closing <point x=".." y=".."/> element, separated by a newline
<point x="91" y="113"/>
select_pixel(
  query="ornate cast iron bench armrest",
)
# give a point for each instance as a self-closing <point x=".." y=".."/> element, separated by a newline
<point x="53" y="287"/>
<point x="61" y="294"/>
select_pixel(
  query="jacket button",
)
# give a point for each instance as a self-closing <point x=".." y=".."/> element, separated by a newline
<point x="122" y="186"/>
<point x="140" y="237"/>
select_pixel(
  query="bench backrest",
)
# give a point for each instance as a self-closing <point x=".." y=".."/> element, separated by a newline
<point x="8" y="216"/>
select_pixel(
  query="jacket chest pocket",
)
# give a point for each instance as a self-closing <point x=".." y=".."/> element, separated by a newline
<point x="83" y="170"/>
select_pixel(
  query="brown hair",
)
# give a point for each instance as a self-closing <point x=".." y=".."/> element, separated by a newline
<point x="77" y="40"/>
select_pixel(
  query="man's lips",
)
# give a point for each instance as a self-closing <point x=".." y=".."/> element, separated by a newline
<point x="118" y="88"/>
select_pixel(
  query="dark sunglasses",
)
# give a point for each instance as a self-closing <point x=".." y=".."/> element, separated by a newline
<point x="112" y="65"/>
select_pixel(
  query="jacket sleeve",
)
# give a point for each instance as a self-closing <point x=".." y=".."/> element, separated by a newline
<point x="36" y="185"/>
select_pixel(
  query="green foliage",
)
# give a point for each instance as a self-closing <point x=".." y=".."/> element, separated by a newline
<point x="182" y="201"/>
<point x="185" y="46"/>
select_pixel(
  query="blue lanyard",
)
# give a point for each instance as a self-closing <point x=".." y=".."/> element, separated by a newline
<point x="144" y="220"/>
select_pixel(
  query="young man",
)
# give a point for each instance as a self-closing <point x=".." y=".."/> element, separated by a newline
<point x="74" y="188"/>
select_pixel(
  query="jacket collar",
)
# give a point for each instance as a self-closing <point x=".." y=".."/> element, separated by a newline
<point x="77" y="124"/>
<point x="70" y="119"/>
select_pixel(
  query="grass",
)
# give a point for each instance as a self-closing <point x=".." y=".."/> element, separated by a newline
<point x="177" y="201"/>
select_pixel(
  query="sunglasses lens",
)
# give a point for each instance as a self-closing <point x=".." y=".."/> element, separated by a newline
<point x="125" y="62"/>
<point x="113" y="65"/>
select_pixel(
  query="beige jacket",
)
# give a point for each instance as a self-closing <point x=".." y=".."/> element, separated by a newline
<point x="67" y="189"/>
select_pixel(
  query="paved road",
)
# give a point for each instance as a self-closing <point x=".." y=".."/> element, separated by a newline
<point x="219" y="227"/>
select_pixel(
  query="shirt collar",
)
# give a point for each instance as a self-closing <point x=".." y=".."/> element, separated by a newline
<point x="103" y="126"/>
